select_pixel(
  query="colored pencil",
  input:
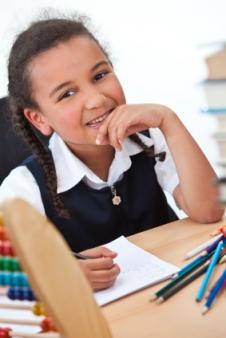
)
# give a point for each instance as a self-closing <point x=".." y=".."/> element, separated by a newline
<point x="180" y="277"/>
<point x="179" y="286"/>
<point x="218" y="286"/>
<point x="223" y="259"/>
<point x="209" y="272"/>
<point x="201" y="247"/>
<point x="212" y="246"/>
<point x="193" y="264"/>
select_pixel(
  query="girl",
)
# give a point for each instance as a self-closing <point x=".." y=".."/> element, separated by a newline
<point x="100" y="177"/>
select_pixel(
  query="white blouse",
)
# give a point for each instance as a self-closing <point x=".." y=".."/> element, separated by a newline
<point x="70" y="170"/>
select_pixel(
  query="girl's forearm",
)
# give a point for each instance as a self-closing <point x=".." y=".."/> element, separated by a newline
<point x="198" y="192"/>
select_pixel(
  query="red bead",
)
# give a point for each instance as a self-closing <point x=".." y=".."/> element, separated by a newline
<point x="2" y="233"/>
<point x="4" y="332"/>
<point x="47" y="325"/>
<point x="6" y="249"/>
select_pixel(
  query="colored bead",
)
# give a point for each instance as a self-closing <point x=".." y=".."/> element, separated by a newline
<point x="5" y="278"/>
<point x="1" y="220"/>
<point x="11" y="293"/>
<point x="21" y="293"/>
<point x="6" y="248"/>
<point x="31" y="295"/>
<point x="38" y="309"/>
<point x="15" y="265"/>
<point x="4" y="332"/>
<point x="3" y="234"/>
<point x="8" y="278"/>
<point x="6" y="264"/>
<point x="47" y="325"/>
<point x="24" y="279"/>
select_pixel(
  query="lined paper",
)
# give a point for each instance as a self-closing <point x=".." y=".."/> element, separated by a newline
<point x="139" y="269"/>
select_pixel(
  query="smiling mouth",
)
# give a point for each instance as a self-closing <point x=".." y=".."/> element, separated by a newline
<point x="95" y="123"/>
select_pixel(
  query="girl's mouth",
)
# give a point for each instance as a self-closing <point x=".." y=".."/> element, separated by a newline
<point x="95" y="123"/>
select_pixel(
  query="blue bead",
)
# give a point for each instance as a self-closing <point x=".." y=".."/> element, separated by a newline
<point x="11" y="294"/>
<point x="8" y="278"/>
<point x="31" y="295"/>
<point x="1" y="278"/>
<point x="24" y="279"/>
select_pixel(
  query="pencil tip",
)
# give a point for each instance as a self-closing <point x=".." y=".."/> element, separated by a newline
<point x="205" y="309"/>
<point x="153" y="298"/>
<point x="160" y="300"/>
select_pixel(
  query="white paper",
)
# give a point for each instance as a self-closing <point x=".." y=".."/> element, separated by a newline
<point x="139" y="269"/>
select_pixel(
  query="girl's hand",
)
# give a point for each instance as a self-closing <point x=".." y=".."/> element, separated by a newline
<point x="100" y="270"/>
<point x="129" y="119"/>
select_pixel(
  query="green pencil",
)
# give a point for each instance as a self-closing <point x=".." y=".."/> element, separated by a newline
<point x="183" y="283"/>
<point x="179" y="278"/>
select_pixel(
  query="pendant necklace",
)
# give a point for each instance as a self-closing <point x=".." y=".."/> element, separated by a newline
<point x="116" y="200"/>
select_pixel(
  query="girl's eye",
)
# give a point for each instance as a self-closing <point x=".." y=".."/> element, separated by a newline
<point x="99" y="76"/>
<point x="67" y="94"/>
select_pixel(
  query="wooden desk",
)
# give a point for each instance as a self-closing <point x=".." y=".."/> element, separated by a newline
<point x="180" y="316"/>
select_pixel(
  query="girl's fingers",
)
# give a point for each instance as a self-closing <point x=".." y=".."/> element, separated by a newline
<point x="105" y="276"/>
<point x="99" y="251"/>
<point x="101" y="286"/>
<point x="102" y="135"/>
<point x="103" y="263"/>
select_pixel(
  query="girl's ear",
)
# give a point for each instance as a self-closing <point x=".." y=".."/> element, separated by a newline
<point x="38" y="120"/>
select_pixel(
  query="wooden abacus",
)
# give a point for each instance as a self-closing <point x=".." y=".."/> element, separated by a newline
<point x="15" y="286"/>
<point x="53" y="272"/>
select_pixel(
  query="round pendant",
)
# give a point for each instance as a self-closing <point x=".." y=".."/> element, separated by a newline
<point x="116" y="200"/>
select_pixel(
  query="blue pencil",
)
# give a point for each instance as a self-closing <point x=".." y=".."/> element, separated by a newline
<point x="209" y="272"/>
<point x="212" y="246"/>
<point x="218" y="286"/>
<point x="193" y="264"/>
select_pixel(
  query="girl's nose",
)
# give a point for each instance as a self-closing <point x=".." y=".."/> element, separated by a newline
<point x="94" y="99"/>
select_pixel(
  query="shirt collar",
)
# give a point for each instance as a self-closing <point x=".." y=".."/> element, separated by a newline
<point x="70" y="170"/>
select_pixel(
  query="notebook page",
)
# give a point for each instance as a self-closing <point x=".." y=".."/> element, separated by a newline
<point x="139" y="269"/>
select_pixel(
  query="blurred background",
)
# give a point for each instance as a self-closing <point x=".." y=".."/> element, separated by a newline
<point x="158" y="49"/>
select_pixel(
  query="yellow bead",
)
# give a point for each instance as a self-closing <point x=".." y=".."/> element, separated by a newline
<point x="38" y="309"/>
<point x="1" y="219"/>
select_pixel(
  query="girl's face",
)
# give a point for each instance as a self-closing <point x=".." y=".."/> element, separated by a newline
<point x="76" y="89"/>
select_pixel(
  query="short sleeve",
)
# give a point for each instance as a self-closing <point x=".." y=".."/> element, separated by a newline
<point x="21" y="183"/>
<point x="166" y="170"/>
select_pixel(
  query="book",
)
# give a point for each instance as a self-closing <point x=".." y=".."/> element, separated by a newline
<point x="215" y="96"/>
<point x="139" y="269"/>
<point x="216" y="62"/>
<point x="220" y="139"/>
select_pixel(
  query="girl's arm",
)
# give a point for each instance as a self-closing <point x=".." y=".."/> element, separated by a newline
<point x="196" y="193"/>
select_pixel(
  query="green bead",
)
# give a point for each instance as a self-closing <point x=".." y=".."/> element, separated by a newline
<point x="6" y="264"/>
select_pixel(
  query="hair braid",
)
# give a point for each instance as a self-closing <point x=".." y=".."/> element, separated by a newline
<point x="44" y="157"/>
<point x="41" y="36"/>
<point x="149" y="151"/>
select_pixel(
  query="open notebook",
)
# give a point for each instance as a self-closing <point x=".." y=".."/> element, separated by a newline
<point x="139" y="269"/>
